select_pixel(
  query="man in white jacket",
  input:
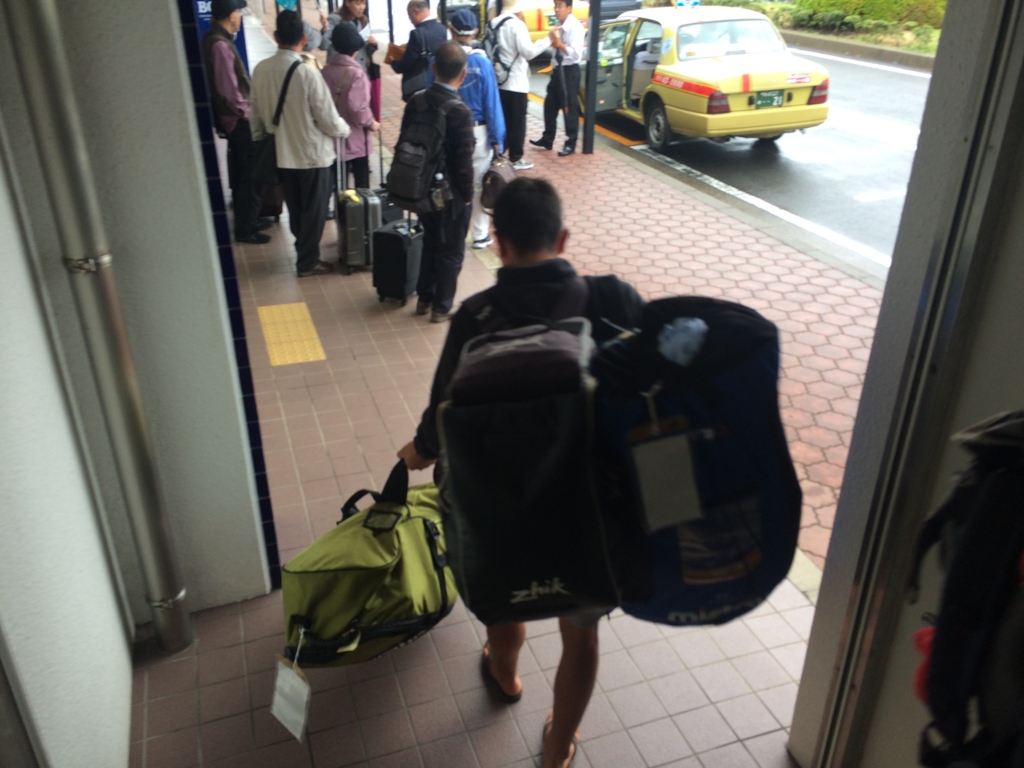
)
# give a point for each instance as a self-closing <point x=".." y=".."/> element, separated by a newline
<point x="512" y="66"/>
<point x="304" y="137"/>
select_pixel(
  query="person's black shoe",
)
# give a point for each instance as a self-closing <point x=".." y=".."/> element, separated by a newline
<point x="540" y="143"/>
<point x="263" y="223"/>
<point x="321" y="268"/>
<point x="256" y="238"/>
<point x="566" y="151"/>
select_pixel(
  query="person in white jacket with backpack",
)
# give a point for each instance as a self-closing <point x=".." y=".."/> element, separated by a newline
<point x="511" y="50"/>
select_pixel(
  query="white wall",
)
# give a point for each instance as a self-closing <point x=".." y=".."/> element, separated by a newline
<point x="59" y="617"/>
<point x="128" y="70"/>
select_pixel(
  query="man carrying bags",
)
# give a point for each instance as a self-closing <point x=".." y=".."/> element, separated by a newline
<point x="480" y="93"/>
<point x="432" y="175"/>
<point x="564" y="85"/>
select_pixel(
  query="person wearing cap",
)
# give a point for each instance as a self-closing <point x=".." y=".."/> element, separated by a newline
<point x="228" y="83"/>
<point x="515" y="50"/>
<point x="350" y="87"/>
<point x="480" y="93"/>
<point x="304" y="138"/>
<point x="424" y="40"/>
<point x="564" y="85"/>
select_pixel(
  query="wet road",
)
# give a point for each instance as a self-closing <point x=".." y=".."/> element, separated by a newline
<point x="848" y="175"/>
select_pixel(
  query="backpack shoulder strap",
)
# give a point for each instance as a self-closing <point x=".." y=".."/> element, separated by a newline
<point x="284" y="92"/>
<point x="606" y="304"/>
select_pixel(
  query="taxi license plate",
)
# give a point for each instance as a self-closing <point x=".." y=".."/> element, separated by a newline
<point x="769" y="99"/>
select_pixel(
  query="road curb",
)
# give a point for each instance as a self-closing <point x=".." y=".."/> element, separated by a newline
<point x="841" y="47"/>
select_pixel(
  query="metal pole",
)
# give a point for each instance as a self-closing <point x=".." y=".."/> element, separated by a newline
<point x="444" y="12"/>
<point x="391" y="23"/>
<point x="590" y="107"/>
<point x="45" y="78"/>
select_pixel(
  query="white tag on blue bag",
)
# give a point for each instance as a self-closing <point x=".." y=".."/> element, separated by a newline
<point x="292" y="695"/>
<point x="668" y="489"/>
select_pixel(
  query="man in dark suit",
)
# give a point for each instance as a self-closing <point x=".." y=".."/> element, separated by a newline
<point x="424" y="40"/>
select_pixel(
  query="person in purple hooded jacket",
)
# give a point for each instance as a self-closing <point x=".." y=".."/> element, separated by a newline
<point x="350" y="88"/>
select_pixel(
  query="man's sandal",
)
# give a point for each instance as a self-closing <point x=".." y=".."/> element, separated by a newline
<point x="575" y="741"/>
<point x="491" y="682"/>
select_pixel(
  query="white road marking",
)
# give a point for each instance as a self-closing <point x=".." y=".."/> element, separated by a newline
<point x="878" y="195"/>
<point x="809" y="226"/>
<point x="859" y="63"/>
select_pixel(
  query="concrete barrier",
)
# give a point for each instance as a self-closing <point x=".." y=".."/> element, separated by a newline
<point x="842" y="47"/>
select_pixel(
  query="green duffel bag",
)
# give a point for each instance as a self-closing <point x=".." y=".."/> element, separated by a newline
<point x="377" y="581"/>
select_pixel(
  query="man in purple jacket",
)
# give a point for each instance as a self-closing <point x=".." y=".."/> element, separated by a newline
<point x="228" y="83"/>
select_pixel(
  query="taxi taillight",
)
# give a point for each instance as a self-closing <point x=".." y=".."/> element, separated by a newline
<point x="718" y="103"/>
<point x="820" y="93"/>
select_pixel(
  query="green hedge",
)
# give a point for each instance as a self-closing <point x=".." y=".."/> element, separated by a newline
<point x="925" y="12"/>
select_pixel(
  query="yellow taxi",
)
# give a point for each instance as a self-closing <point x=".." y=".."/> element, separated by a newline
<point x="706" y="71"/>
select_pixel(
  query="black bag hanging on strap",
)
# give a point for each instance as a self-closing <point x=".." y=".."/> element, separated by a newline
<point x="977" y="648"/>
<point x="265" y="151"/>
<point x="526" y="534"/>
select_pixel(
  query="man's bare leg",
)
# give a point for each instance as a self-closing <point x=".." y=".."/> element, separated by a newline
<point x="574" y="683"/>
<point x="504" y="641"/>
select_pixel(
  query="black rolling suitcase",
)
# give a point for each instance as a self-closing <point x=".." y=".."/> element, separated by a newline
<point x="397" y="248"/>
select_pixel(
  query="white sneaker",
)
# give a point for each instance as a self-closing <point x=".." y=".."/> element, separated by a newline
<point x="522" y="165"/>
<point x="486" y="242"/>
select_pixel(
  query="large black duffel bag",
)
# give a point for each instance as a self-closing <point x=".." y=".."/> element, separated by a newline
<point x="526" y="535"/>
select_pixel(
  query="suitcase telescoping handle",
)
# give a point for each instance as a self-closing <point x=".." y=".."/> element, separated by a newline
<point x="380" y="154"/>
<point x="339" y="147"/>
<point x="396" y="490"/>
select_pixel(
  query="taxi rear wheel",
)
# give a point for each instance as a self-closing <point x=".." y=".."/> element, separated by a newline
<point x="656" y="126"/>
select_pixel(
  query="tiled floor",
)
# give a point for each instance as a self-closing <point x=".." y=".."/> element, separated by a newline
<point x="700" y="698"/>
<point x="697" y="698"/>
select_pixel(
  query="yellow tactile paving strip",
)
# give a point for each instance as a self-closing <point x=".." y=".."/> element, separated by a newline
<point x="290" y="334"/>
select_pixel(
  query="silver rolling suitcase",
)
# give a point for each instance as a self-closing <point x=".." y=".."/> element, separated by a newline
<point x="358" y="216"/>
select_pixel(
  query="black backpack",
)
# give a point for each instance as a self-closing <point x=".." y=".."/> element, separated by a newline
<point x="419" y="154"/>
<point x="978" y="640"/>
<point x="528" y="538"/>
<point x="493" y="50"/>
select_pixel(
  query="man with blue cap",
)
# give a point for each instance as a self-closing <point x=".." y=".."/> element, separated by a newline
<point x="480" y="93"/>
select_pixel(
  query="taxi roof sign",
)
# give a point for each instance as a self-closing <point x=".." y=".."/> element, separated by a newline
<point x="687" y="3"/>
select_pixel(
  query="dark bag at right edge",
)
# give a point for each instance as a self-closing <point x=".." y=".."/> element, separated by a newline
<point x="972" y="677"/>
<point x="694" y="448"/>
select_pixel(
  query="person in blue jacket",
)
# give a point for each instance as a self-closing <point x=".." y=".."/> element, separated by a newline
<point x="480" y="92"/>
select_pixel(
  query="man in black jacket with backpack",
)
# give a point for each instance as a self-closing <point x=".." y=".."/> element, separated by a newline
<point x="445" y="224"/>
<point x="530" y="240"/>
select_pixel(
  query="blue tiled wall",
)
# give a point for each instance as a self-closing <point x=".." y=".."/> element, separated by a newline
<point x="218" y="211"/>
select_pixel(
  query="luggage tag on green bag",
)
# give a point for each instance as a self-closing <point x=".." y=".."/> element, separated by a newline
<point x="664" y="470"/>
<point x="292" y="694"/>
